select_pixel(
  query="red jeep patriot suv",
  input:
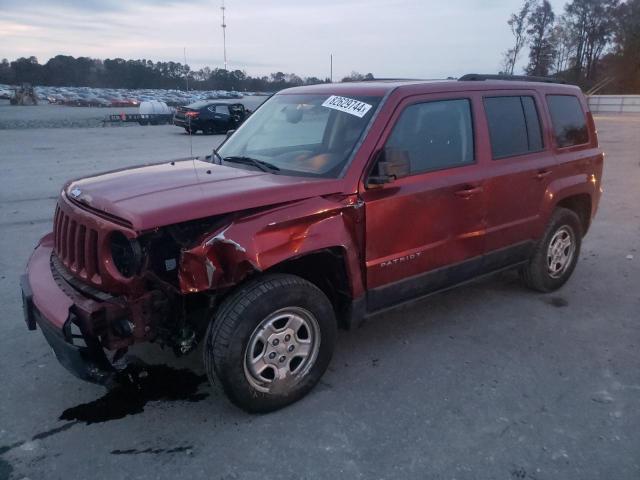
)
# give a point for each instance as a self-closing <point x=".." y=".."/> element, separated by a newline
<point x="329" y="204"/>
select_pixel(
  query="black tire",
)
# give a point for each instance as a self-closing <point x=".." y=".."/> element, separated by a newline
<point x="235" y="325"/>
<point x="536" y="274"/>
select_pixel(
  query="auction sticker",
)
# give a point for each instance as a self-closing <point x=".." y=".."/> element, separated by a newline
<point x="347" y="105"/>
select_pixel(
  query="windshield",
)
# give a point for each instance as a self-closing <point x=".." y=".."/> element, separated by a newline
<point x="308" y="135"/>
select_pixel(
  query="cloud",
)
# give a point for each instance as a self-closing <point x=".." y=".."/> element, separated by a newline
<point x="390" y="38"/>
<point x="90" y="5"/>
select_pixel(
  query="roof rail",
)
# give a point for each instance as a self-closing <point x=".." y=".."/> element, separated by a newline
<point x="476" y="77"/>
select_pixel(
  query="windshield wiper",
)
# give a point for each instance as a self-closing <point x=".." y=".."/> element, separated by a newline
<point x="213" y="157"/>
<point x="215" y="154"/>
<point x="260" y="164"/>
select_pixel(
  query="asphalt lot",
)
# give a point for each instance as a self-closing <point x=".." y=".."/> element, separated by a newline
<point x="490" y="381"/>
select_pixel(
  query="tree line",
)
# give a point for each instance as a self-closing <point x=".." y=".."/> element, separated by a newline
<point x="593" y="43"/>
<point x="68" y="71"/>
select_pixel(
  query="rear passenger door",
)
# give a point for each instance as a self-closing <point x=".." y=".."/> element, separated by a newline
<point x="519" y="171"/>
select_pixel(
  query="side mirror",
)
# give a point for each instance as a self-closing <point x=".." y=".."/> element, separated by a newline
<point x="230" y="132"/>
<point x="390" y="164"/>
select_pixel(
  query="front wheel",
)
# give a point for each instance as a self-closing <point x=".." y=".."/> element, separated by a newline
<point x="270" y="342"/>
<point x="556" y="255"/>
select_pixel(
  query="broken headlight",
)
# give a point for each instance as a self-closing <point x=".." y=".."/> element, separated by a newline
<point x="126" y="254"/>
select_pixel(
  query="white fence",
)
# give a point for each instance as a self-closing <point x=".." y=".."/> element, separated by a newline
<point x="614" y="103"/>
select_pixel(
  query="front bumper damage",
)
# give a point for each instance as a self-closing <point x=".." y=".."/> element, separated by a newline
<point x="86" y="361"/>
<point x="75" y="325"/>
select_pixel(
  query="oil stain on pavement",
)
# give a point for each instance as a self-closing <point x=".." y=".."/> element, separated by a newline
<point x="5" y="469"/>
<point x="558" y="302"/>
<point x="153" y="451"/>
<point x="137" y="385"/>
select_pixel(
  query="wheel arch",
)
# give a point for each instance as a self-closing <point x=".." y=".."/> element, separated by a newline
<point x="328" y="270"/>
<point x="581" y="205"/>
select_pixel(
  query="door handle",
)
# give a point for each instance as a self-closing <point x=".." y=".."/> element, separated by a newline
<point x="469" y="191"/>
<point x="542" y="174"/>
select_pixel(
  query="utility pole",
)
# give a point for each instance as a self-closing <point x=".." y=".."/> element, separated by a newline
<point x="224" y="35"/>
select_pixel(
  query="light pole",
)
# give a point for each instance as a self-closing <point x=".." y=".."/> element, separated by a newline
<point x="224" y="35"/>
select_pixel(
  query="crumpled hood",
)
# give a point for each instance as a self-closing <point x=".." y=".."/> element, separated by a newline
<point x="168" y="193"/>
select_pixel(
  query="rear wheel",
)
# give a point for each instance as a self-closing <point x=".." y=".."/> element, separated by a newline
<point x="556" y="255"/>
<point x="270" y="342"/>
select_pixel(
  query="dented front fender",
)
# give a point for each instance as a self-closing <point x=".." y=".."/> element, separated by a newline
<point x="260" y="241"/>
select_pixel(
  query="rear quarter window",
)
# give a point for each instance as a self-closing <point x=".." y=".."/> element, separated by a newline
<point x="568" y="119"/>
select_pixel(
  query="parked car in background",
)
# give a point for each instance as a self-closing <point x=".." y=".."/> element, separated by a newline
<point x="210" y="116"/>
<point x="330" y="204"/>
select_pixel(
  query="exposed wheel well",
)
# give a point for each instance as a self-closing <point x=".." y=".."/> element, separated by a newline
<point x="325" y="269"/>
<point x="581" y="205"/>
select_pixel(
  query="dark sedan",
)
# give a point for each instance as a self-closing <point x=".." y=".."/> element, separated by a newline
<point x="210" y="116"/>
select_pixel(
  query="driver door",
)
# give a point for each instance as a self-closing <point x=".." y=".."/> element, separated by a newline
<point x="425" y="231"/>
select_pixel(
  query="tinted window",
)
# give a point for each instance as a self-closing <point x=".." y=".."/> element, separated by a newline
<point x="569" y="122"/>
<point x="435" y="135"/>
<point x="514" y="126"/>
<point x="533" y="123"/>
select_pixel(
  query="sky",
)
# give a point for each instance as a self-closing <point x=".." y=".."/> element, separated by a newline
<point x="389" y="38"/>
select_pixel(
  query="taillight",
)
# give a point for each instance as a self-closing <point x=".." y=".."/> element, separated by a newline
<point x="191" y="114"/>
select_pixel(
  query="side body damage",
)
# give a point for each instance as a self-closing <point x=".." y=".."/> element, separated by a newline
<point x="277" y="239"/>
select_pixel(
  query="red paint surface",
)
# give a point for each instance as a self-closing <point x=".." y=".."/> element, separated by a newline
<point x="418" y="220"/>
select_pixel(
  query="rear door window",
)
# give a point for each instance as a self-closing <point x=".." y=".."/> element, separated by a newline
<point x="569" y="121"/>
<point x="435" y="135"/>
<point x="514" y="126"/>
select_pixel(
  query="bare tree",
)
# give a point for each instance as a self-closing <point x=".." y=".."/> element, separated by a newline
<point x="626" y="65"/>
<point x="518" y="24"/>
<point x="564" y="46"/>
<point x="591" y="26"/>
<point x="540" y="30"/>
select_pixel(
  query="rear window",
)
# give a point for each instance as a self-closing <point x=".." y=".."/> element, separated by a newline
<point x="569" y="122"/>
<point x="514" y="126"/>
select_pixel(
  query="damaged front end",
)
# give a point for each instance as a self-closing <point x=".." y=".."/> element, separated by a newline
<point x="95" y="286"/>
<point x="80" y="323"/>
<point x="249" y="244"/>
